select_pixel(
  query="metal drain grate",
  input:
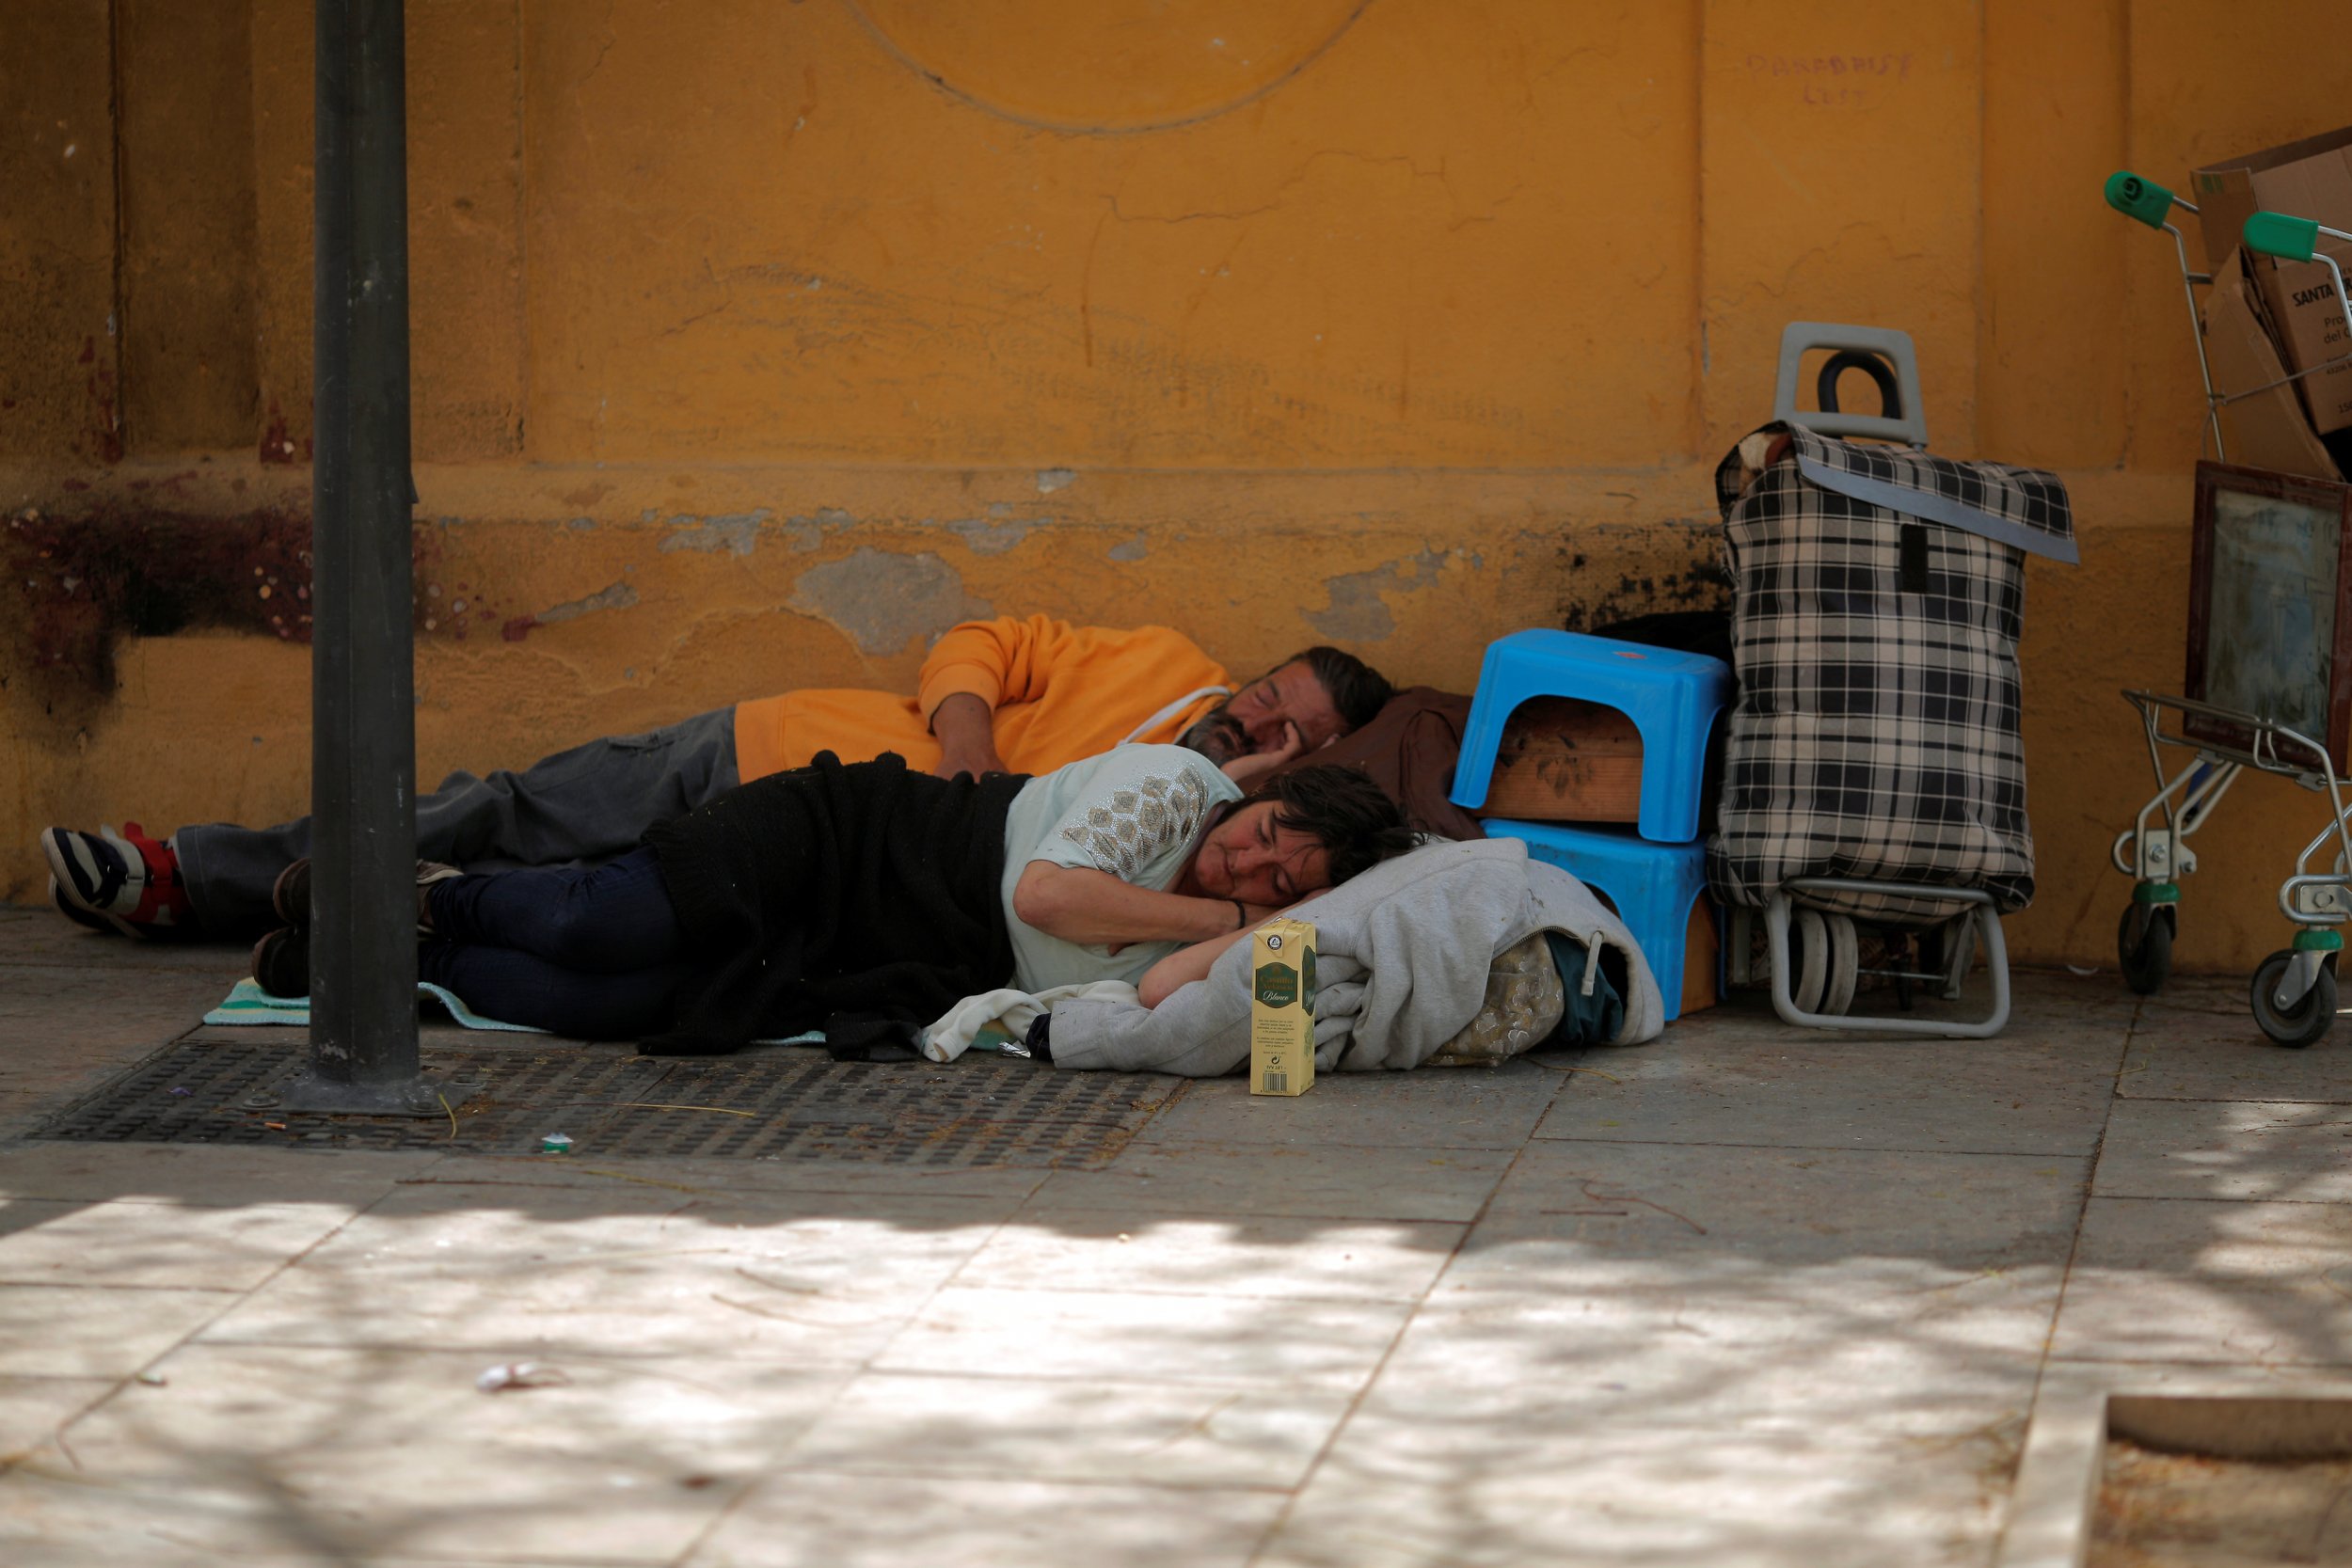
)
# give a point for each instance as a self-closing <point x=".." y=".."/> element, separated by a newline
<point x="794" y="1105"/>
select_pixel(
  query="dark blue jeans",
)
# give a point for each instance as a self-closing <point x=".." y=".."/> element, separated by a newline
<point x="594" y="953"/>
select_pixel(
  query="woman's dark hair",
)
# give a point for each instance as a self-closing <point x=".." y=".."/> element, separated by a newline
<point x="1356" y="688"/>
<point x="1343" y="810"/>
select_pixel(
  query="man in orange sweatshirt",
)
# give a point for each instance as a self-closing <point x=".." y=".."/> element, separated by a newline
<point x="1019" y="696"/>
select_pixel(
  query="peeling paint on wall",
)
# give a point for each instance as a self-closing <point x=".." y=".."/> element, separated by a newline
<point x="1134" y="549"/>
<point x="988" y="538"/>
<point x="882" y="601"/>
<point x="1051" y="479"/>
<point x="738" y="533"/>
<point x="1359" y="612"/>
<point x="619" y="596"/>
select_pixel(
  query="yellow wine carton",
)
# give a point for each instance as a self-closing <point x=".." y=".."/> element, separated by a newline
<point x="1282" y="1007"/>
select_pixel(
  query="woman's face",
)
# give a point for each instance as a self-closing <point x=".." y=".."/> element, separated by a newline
<point x="1247" y="857"/>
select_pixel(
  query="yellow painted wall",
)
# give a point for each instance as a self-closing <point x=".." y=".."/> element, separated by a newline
<point x="756" y="341"/>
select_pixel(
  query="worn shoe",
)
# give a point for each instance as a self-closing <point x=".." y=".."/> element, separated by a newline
<point x="74" y="912"/>
<point x="290" y="895"/>
<point x="125" y="881"/>
<point x="281" y="962"/>
<point x="428" y="873"/>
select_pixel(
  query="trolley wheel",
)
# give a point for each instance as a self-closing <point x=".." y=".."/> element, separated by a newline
<point x="1845" y="965"/>
<point x="2310" y="1018"/>
<point x="1812" y="959"/>
<point x="2146" y="954"/>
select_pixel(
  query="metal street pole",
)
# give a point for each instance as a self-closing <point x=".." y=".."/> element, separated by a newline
<point x="363" y="943"/>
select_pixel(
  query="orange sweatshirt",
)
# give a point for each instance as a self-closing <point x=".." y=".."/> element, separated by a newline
<point x="1061" y="692"/>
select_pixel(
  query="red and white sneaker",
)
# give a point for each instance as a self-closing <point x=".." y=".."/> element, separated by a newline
<point x="123" y="881"/>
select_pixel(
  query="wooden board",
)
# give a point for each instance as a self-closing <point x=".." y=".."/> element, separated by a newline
<point x="1701" y="953"/>
<point x="1563" y="760"/>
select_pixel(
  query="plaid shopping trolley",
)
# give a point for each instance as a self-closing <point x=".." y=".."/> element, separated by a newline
<point x="1873" y="768"/>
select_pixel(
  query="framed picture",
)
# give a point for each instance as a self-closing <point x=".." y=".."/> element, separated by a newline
<point x="2270" y="607"/>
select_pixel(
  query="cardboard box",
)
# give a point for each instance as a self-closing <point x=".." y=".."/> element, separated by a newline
<point x="1282" y="1007"/>
<point x="1563" y="760"/>
<point x="2266" y="429"/>
<point x="2308" y="179"/>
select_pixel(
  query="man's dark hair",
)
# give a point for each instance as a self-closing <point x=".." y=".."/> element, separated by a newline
<point x="1356" y="688"/>
<point x="1343" y="810"/>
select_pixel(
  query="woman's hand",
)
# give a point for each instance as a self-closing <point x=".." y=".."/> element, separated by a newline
<point x="1187" y="964"/>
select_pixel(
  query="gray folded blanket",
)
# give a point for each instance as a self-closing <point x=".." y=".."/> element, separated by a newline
<point x="1402" y="955"/>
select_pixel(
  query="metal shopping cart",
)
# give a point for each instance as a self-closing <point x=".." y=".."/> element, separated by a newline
<point x="2270" y="678"/>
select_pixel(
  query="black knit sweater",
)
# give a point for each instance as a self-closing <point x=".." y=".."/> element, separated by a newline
<point x="832" y="893"/>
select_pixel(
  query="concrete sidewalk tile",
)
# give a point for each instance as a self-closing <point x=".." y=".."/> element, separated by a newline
<point x="1835" y="1354"/>
<point x="587" y="1170"/>
<point x="199" y="1174"/>
<point x="23" y="1108"/>
<point x="815" y="1280"/>
<point x="1788" y="1205"/>
<point x="1334" y="1182"/>
<point x="1407" y="1494"/>
<point x="33" y="1409"/>
<point x="2008" y="1096"/>
<point x="1225" y="1341"/>
<point x="2201" y="1043"/>
<point x="39" y="937"/>
<point x="1440" y="1108"/>
<point x="156" y="1006"/>
<point x="85" y="1331"/>
<point x="820" y="1521"/>
<point x="2176" y="1279"/>
<point x="1066" y="1429"/>
<point x="48" y="1242"/>
<point x="2268" y="1148"/>
<point x="1091" y="1251"/>
<point x="2006" y="1306"/>
<point x="357" y="1455"/>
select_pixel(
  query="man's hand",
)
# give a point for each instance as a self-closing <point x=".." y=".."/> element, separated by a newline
<point x="1247" y="770"/>
<point x="966" y="728"/>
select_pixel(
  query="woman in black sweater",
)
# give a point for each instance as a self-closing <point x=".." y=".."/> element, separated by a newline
<point x="840" y="897"/>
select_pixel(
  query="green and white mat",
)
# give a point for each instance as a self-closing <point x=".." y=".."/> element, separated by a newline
<point x="251" y="1004"/>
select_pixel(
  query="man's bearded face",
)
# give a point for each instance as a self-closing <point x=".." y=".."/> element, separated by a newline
<point x="1217" y="735"/>
<point x="1260" y="716"/>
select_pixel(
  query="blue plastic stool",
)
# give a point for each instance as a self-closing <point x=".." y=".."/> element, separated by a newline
<point x="1671" y="697"/>
<point x="1653" y="885"/>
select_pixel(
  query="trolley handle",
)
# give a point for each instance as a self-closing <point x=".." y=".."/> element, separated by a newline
<point x="2142" y="200"/>
<point x="2294" y="239"/>
<point x="2290" y="239"/>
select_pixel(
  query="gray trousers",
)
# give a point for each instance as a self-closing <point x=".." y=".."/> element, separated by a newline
<point x="591" y="803"/>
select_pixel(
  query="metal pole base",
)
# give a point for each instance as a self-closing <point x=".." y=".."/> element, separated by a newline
<point x="425" y="1094"/>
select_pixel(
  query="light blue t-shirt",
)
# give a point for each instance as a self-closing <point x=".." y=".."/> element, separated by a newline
<point x="1136" y="812"/>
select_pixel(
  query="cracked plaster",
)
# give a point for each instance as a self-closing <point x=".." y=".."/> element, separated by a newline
<point x="987" y="538"/>
<point x="1359" y="612"/>
<point x="620" y="596"/>
<point x="882" y="601"/>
